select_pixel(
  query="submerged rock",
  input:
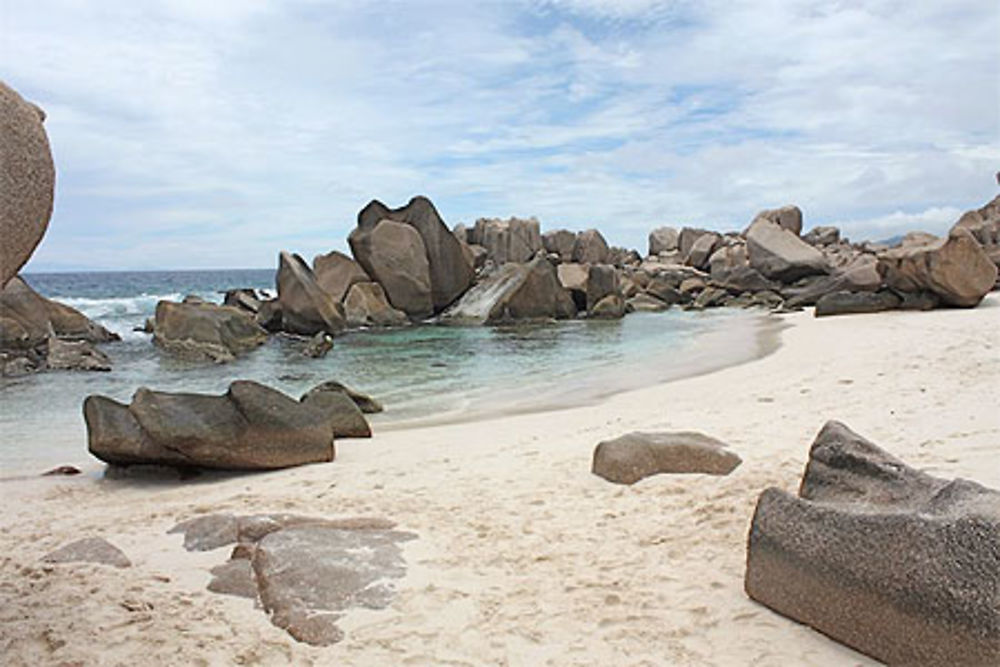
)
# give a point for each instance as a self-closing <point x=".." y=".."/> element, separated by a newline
<point x="635" y="456"/>
<point x="27" y="181"/>
<point x="894" y="563"/>
<point x="250" y="427"/>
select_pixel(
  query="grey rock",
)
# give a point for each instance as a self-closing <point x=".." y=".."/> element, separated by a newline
<point x="645" y="303"/>
<point x="246" y="298"/>
<point x="514" y="292"/>
<point x="701" y="250"/>
<point x="335" y="273"/>
<point x="560" y="242"/>
<point x="512" y="240"/>
<point x="27" y="181"/>
<point x="787" y="217"/>
<point x="886" y="559"/>
<point x="89" y="550"/>
<point x="781" y="255"/>
<point x="366" y="403"/>
<point x="250" y="427"/>
<point x="394" y="255"/>
<point x="76" y="355"/>
<point x="344" y="414"/>
<point x="318" y="346"/>
<point x="956" y="269"/>
<point x="822" y="236"/>
<point x="860" y="276"/>
<point x="590" y="248"/>
<point x="847" y="303"/>
<point x="602" y="280"/>
<point x="687" y="238"/>
<point x="366" y="305"/>
<point x="662" y="239"/>
<point x="610" y="307"/>
<point x="306" y="309"/>
<point x="208" y="532"/>
<point x="204" y="331"/>
<point x="635" y="456"/>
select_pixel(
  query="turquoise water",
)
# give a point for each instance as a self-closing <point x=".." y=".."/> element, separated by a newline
<point x="421" y="374"/>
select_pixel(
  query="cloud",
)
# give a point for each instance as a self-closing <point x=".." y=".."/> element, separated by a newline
<point x="213" y="134"/>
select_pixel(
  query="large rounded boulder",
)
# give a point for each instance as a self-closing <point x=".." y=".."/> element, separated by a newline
<point x="306" y="308"/>
<point x="27" y="181"/>
<point x="394" y="255"/>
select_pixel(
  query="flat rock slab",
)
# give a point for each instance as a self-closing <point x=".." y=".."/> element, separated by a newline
<point x="89" y="550"/>
<point x="886" y="559"/>
<point x="635" y="456"/>
<point x="305" y="572"/>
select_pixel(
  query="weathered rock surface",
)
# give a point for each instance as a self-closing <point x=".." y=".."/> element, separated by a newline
<point x="247" y="298"/>
<point x="645" y="303"/>
<point x="366" y="305"/>
<point x="610" y="307"/>
<point x="448" y="270"/>
<point x="76" y="355"/>
<point x="89" y="550"/>
<point x="318" y="346"/>
<point x="787" y="217"/>
<point x="860" y="276"/>
<point x="27" y="181"/>
<point x="512" y="240"/>
<point x="635" y="456"/>
<point x="590" y="248"/>
<point x="687" y="238"/>
<point x="822" y="236"/>
<point x="529" y="291"/>
<point x="250" y="427"/>
<point x="28" y="317"/>
<point x="307" y="572"/>
<point x="701" y="250"/>
<point x="602" y="280"/>
<point x="662" y="239"/>
<point x="394" y="255"/>
<point x="344" y="414"/>
<point x="781" y="255"/>
<point x="957" y="269"/>
<point x="204" y="331"/>
<point x="366" y="403"/>
<point x="306" y="309"/>
<point x="560" y="242"/>
<point x="886" y="559"/>
<point x="336" y="272"/>
<point x="847" y="303"/>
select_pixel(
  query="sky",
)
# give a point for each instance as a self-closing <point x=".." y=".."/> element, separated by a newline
<point x="196" y="134"/>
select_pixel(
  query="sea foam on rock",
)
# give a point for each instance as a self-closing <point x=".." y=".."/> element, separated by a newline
<point x="895" y="563"/>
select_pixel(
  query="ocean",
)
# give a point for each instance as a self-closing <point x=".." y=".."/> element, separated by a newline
<point x="422" y="374"/>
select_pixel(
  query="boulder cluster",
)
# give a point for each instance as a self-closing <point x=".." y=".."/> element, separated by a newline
<point x="407" y="266"/>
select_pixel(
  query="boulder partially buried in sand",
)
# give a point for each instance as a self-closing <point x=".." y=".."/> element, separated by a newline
<point x="635" y="456"/>
<point x="250" y="427"/>
<point x="27" y="181"/>
<point x="879" y="556"/>
<point x="89" y="550"/>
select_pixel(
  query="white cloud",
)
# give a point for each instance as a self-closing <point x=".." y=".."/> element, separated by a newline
<point x="208" y="134"/>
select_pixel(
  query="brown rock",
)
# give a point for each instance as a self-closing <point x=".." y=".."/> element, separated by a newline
<point x="590" y="248"/>
<point x="781" y="255"/>
<point x="203" y="331"/>
<point x="336" y="272"/>
<point x="701" y="250"/>
<point x="76" y="355"/>
<point x="344" y="414"/>
<point x="393" y="254"/>
<point x="645" y="303"/>
<point x="366" y="403"/>
<point x="250" y="427"/>
<point x="27" y="181"/>
<point x="957" y="269"/>
<point x="890" y="561"/>
<point x="366" y="305"/>
<point x="560" y="242"/>
<point x="786" y="217"/>
<point x="32" y="318"/>
<point x="822" y="236"/>
<point x="662" y="239"/>
<point x="513" y="240"/>
<point x="306" y="309"/>
<point x="602" y="280"/>
<point x="635" y="456"/>
<point x="847" y="303"/>
<point x="529" y="291"/>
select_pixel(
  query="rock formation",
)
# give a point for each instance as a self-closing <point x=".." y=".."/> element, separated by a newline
<point x="366" y="305"/>
<point x="781" y="255"/>
<point x="393" y="254"/>
<point x="343" y="413"/>
<point x="204" y="331"/>
<point x="635" y="456"/>
<point x="894" y="563"/>
<point x="27" y="181"/>
<point x="513" y="240"/>
<point x="529" y="291"/>
<point x="335" y="273"/>
<point x="306" y="309"/>
<point x="590" y="248"/>
<point x="89" y="550"/>
<point x="250" y="427"/>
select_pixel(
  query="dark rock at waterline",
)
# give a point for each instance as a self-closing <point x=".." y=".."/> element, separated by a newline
<point x="318" y="346"/>
<point x="342" y="412"/>
<point x="75" y="355"/>
<point x="635" y="456"/>
<point x="27" y="181"/>
<point x="848" y="303"/>
<point x="89" y="550"/>
<point x="890" y="561"/>
<point x="449" y="272"/>
<point x="62" y="470"/>
<point x="27" y="319"/>
<point x="306" y="309"/>
<point x="250" y="427"/>
<point x="205" y="331"/>
<point x="246" y="298"/>
<point x="365" y="403"/>
<point x="514" y="292"/>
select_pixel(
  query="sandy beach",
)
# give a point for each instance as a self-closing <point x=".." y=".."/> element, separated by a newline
<point x="523" y="556"/>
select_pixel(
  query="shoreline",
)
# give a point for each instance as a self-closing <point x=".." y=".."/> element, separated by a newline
<point x="524" y="556"/>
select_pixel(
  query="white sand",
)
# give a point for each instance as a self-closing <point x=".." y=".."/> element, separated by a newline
<point x="524" y="557"/>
